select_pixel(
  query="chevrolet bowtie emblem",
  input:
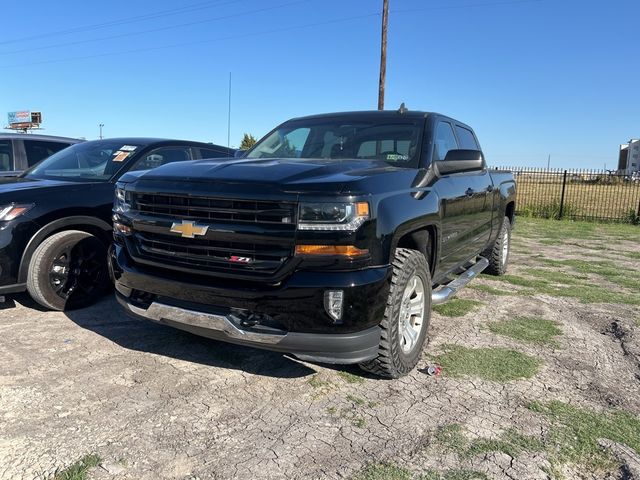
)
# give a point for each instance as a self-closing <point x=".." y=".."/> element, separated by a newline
<point x="188" y="229"/>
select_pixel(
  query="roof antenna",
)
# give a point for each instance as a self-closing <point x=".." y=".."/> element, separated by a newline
<point x="402" y="109"/>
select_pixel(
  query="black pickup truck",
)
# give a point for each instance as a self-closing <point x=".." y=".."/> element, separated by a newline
<point x="330" y="239"/>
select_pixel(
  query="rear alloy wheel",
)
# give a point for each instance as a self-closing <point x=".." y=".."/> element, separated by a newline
<point x="68" y="270"/>
<point x="406" y="319"/>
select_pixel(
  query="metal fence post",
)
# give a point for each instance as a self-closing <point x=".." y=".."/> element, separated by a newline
<point x="564" y="184"/>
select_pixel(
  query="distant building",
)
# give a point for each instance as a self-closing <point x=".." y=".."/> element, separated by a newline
<point x="629" y="158"/>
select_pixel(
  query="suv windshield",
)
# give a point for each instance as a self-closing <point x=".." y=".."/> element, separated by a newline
<point x="96" y="161"/>
<point x="394" y="142"/>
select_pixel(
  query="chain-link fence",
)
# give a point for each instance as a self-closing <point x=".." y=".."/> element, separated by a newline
<point x="577" y="194"/>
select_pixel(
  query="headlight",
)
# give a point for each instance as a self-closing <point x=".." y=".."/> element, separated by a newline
<point x="9" y="212"/>
<point x="122" y="201"/>
<point x="332" y="216"/>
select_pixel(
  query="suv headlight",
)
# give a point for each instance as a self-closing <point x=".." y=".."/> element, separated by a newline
<point x="9" y="212"/>
<point x="332" y="216"/>
<point x="122" y="201"/>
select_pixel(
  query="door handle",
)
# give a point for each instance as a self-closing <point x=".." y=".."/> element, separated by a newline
<point x="469" y="192"/>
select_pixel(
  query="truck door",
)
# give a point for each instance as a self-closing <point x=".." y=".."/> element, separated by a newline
<point x="482" y="195"/>
<point x="463" y="198"/>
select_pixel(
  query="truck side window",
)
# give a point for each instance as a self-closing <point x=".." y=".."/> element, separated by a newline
<point x="444" y="141"/>
<point x="162" y="156"/>
<point x="466" y="138"/>
<point x="6" y="155"/>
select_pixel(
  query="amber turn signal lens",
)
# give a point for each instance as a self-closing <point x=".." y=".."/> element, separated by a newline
<point x="362" y="209"/>
<point x="342" y="250"/>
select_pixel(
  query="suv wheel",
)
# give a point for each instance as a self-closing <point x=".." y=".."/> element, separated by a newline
<point x="406" y="318"/>
<point x="68" y="270"/>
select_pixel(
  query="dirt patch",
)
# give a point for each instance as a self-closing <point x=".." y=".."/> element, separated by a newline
<point x="156" y="403"/>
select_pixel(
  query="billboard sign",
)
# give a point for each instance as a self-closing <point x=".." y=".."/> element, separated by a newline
<point x="23" y="116"/>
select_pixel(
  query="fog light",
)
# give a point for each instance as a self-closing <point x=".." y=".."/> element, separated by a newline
<point x="120" y="228"/>
<point x="333" y="300"/>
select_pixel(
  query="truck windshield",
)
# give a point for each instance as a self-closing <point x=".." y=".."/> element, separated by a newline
<point x="393" y="142"/>
<point x="95" y="161"/>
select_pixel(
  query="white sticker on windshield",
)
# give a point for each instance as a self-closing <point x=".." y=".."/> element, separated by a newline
<point x="397" y="157"/>
<point x="128" y="148"/>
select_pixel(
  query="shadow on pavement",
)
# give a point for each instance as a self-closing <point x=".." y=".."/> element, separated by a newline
<point x="106" y="318"/>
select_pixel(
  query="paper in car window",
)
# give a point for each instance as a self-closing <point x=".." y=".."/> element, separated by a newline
<point x="120" y="156"/>
<point x="128" y="148"/>
<point x="397" y="157"/>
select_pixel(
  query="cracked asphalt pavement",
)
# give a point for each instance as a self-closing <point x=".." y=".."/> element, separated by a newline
<point x="164" y="404"/>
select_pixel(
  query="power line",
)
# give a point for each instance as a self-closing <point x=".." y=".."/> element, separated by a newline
<point x="252" y="34"/>
<point x="140" y="18"/>
<point x="187" y="44"/>
<point x="159" y="29"/>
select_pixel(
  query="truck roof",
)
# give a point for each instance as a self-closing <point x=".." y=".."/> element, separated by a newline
<point x="378" y="114"/>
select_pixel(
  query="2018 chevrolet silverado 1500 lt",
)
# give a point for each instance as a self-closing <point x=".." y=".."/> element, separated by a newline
<point x="330" y="239"/>
<point x="55" y="219"/>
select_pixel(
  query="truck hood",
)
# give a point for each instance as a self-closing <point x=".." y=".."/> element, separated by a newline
<point x="288" y="174"/>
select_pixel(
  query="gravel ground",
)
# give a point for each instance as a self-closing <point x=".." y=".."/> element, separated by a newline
<point x="154" y="402"/>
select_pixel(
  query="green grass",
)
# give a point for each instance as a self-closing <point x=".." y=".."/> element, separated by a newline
<point x="458" y="474"/>
<point x="564" y="230"/>
<point x="511" y="442"/>
<point x="350" y="377"/>
<point x="359" y="422"/>
<point x="608" y="270"/>
<point x="357" y="400"/>
<point x="452" y="438"/>
<point x="494" y="364"/>
<point x="481" y="287"/>
<point x="555" y="276"/>
<point x="317" y="382"/>
<point x="586" y="293"/>
<point x="80" y="469"/>
<point x="575" y="431"/>
<point x="456" y="307"/>
<point x="527" y="329"/>
<point x="382" y="471"/>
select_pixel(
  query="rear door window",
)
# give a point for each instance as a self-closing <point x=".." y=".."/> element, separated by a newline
<point x="466" y="138"/>
<point x="6" y="155"/>
<point x="162" y="156"/>
<point x="211" y="153"/>
<point x="444" y="141"/>
<point x="37" y="150"/>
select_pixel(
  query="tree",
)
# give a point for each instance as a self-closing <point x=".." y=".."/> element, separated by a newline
<point x="248" y="141"/>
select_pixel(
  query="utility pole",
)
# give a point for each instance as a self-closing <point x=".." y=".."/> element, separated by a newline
<point x="548" y="161"/>
<point x="101" y="125"/>
<point x="229" y="116"/>
<point x="383" y="54"/>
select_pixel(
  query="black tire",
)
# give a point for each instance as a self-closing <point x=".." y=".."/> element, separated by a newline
<point x="68" y="270"/>
<point x="498" y="255"/>
<point x="392" y="361"/>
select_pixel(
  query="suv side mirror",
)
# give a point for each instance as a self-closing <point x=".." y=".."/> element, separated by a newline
<point x="239" y="153"/>
<point x="458" y="161"/>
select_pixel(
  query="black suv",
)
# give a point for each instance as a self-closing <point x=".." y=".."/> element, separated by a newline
<point x="19" y="151"/>
<point x="55" y="219"/>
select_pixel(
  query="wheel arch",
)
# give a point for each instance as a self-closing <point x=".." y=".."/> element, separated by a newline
<point x="423" y="239"/>
<point x="85" y="223"/>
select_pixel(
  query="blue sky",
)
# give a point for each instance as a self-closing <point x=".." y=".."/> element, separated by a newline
<point x="533" y="77"/>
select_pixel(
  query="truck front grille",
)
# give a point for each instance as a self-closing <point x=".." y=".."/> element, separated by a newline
<point x="245" y="238"/>
<point x="215" y="209"/>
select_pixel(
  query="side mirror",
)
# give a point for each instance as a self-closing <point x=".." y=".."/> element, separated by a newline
<point x="239" y="153"/>
<point x="458" y="161"/>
